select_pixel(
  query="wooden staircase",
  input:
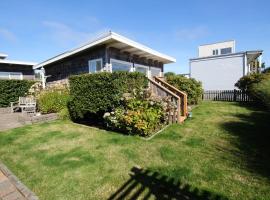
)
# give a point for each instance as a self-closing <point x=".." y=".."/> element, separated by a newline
<point x="159" y="87"/>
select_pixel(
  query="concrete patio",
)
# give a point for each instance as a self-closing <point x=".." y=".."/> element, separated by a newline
<point x="10" y="120"/>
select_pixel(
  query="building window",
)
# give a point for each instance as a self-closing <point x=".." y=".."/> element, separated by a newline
<point x="11" y="75"/>
<point x="4" y="75"/>
<point x="95" y="65"/>
<point x="155" y="71"/>
<point x="215" y="52"/>
<point x="15" y="75"/>
<point x="38" y="73"/>
<point x="119" y="65"/>
<point x="226" y="50"/>
<point x="141" y="68"/>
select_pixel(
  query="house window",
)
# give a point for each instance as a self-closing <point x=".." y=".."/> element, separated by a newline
<point x="226" y="50"/>
<point x="215" y="52"/>
<point x="17" y="76"/>
<point x="119" y="65"/>
<point x="141" y="68"/>
<point x="95" y="65"/>
<point x="155" y="71"/>
<point x="4" y="75"/>
<point x="11" y="75"/>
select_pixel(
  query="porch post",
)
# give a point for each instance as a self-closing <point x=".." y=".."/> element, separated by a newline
<point x="246" y="66"/>
<point x="43" y="78"/>
<point x="260" y="63"/>
<point x="108" y="65"/>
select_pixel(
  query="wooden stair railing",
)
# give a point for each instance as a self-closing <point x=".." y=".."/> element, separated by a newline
<point x="162" y="90"/>
<point x="181" y="94"/>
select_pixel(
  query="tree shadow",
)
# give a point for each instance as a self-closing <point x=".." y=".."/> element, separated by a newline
<point x="146" y="184"/>
<point x="252" y="133"/>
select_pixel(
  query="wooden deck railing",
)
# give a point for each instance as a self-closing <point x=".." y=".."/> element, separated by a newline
<point x="182" y="95"/>
<point x="177" y="113"/>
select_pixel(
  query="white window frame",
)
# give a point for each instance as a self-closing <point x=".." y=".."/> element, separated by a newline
<point x="143" y="66"/>
<point x="121" y="62"/>
<point x="9" y="75"/>
<point x="155" y="68"/>
<point x="95" y="60"/>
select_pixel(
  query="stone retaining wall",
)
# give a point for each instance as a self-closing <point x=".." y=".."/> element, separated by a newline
<point x="44" y="118"/>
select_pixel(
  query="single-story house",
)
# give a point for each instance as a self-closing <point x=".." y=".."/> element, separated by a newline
<point x="219" y="67"/>
<point x="13" y="69"/>
<point x="109" y="52"/>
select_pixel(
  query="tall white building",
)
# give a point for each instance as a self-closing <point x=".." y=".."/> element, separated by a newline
<point x="218" y="65"/>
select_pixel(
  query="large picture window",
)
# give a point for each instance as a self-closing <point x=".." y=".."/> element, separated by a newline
<point x="95" y="65"/>
<point x="11" y="75"/>
<point x="141" y="68"/>
<point x="118" y="65"/>
<point x="155" y="71"/>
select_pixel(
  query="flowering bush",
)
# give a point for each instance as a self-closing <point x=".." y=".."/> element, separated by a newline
<point x="138" y="115"/>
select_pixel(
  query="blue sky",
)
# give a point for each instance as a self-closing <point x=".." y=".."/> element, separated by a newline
<point x="37" y="30"/>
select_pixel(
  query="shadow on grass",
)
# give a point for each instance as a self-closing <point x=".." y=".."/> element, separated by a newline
<point x="70" y="160"/>
<point x="144" y="184"/>
<point x="253" y="135"/>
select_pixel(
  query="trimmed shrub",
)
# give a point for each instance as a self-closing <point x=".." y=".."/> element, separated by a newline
<point x="137" y="116"/>
<point x="11" y="90"/>
<point x="52" y="101"/>
<point x="192" y="87"/>
<point x="257" y="87"/>
<point x="101" y="92"/>
<point x="261" y="92"/>
<point x="64" y="114"/>
<point x="246" y="82"/>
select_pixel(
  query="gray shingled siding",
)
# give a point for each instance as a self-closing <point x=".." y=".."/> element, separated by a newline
<point x="27" y="71"/>
<point x="78" y="63"/>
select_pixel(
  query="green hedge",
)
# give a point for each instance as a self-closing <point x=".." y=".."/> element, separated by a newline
<point x="245" y="82"/>
<point x="11" y="90"/>
<point x="192" y="87"/>
<point x="261" y="91"/>
<point x="257" y="86"/>
<point x="101" y="92"/>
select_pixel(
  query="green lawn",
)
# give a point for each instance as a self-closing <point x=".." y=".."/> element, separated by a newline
<point x="223" y="151"/>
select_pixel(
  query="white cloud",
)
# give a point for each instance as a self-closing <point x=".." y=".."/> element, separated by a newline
<point x="192" y="33"/>
<point x="7" y="35"/>
<point x="66" y="35"/>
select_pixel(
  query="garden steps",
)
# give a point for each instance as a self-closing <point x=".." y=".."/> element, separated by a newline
<point x="161" y="88"/>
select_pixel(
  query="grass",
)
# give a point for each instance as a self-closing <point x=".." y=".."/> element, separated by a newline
<point x="223" y="151"/>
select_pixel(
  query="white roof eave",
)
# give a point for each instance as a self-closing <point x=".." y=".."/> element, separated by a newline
<point x="17" y="62"/>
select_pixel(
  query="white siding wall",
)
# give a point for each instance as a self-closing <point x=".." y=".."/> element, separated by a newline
<point x="207" y="50"/>
<point x="218" y="73"/>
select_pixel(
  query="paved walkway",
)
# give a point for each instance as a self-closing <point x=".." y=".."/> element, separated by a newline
<point x="11" y="188"/>
<point x="11" y="120"/>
